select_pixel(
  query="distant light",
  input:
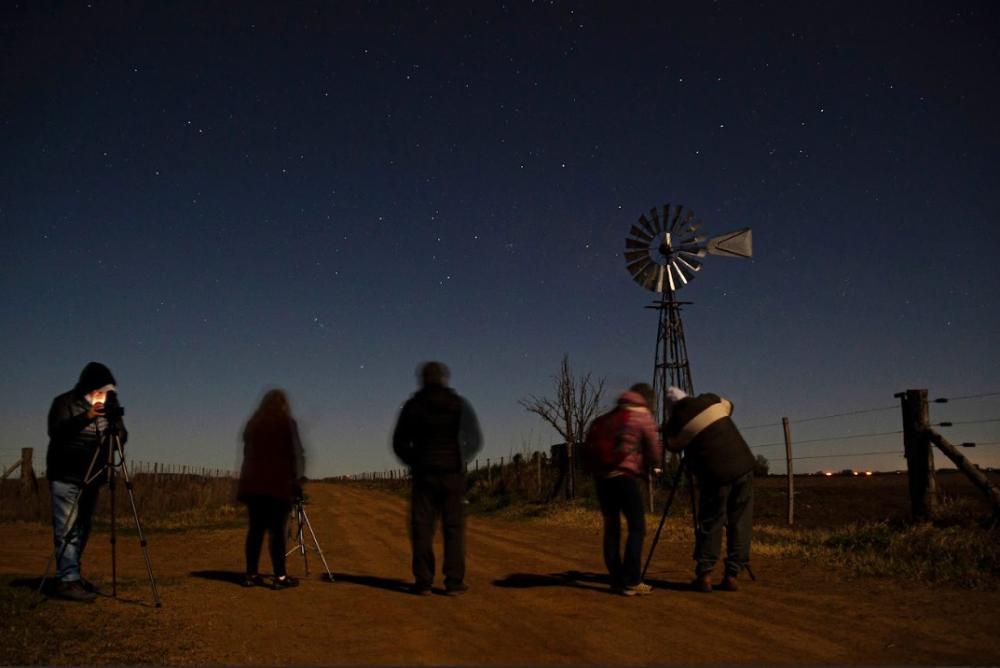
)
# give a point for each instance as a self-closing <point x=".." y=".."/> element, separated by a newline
<point x="868" y="472"/>
<point x="854" y="473"/>
<point x="828" y="473"/>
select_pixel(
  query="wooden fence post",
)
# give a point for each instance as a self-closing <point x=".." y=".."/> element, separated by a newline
<point x="28" y="480"/>
<point x="489" y="471"/>
<point x="918" y="453"/>
<point x="571" y="480"/>
<point x="791" y="472"/>
<point x="538" y="466"/>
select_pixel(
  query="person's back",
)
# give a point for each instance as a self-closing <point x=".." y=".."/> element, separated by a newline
<point x="702" y="427"/>
<point x="435" y="434"/>
<point x="431" y="420"/>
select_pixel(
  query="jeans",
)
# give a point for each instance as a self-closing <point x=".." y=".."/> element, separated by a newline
<point x="267" y="515"/>
<point x="72" y="509"/>
<point x="434" y="494"/>
<point x="729" y="505"/>
<point x="620" y="495"/>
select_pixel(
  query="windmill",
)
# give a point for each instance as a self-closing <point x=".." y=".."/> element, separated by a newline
<point x="663" y="253"/>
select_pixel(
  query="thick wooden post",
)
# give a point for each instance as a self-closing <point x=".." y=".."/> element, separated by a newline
<point x="791" y="472"/>
<point x="977" y="477"/>
<point x="489" y="471"/>
<point x="918" y="453"/>
<point x="28" y="480"/>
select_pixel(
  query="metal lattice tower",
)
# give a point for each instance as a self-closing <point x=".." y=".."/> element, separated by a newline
<point x="671" y="367"/>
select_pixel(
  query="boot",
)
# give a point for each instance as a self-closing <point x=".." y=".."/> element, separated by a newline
<point x="702" y="583"/>
<point x="729" y="583"/>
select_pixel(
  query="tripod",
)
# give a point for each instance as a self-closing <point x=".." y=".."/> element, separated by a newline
<point x="113" y="437"/>
<point x="302" y="523"/>
<point x="666" y="508"/>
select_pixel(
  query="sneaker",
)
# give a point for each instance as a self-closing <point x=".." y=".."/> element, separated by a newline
<point x="88" y="585"/>
<point x="420" y="589"/>
<point x="702" y="583"/>
<point x="729" y="583"/>
<point x="457" y="589"/>
<point x="284" y="582"/>
<point x="253" y="581"/>
<point x="641" y="589"/>
<point x="74" y="591"/>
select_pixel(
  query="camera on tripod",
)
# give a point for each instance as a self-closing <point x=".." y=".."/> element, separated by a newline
<point x="113" y="410"/>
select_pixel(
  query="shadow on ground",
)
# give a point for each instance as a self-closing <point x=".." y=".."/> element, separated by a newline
<point x="598" y="582"/>
<point x="389" y="584"/>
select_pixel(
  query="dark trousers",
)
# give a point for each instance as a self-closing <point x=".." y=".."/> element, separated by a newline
<point x="619" y="496"/>
<point x="729" y="506"/>
<point x="436" y="494"/>
<point x="268" y="515"/>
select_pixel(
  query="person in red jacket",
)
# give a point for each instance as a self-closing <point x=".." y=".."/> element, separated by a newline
<point x="619" y="494"/>
<point x="270" y="482"/>
<point x="723" y="465"/>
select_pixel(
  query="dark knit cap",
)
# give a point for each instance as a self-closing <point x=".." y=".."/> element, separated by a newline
<point x="94" y="376"/>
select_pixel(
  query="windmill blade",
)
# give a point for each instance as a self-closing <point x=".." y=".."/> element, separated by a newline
<point x="647" y="278"/>
<point x="637" y="267"/>
<point x="655" y="215"/>
<point x="636" y="243"/>
<point x="633" y="255"/>
<point x="646" y="226"/>
<point x="670" y="277"/>
<point x="680" y="274"/>
<point x="690" y="264"/>
<point x="677" y="215"/>
<point x="659" y="280"/>
<point x="692" y="228"/>
<point x="636" y="232"/>
<point x="732" y="244"/>
<point x="681" y="223"/>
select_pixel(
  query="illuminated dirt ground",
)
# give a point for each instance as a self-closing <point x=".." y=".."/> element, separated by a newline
<point x="536" y="597"/>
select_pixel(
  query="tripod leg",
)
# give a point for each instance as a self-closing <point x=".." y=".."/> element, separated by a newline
<point x="113" y="537"/>
<point x="138" y="525"/>
<point x="302" y="540"/>
<point x="663" y="517"/>
<point x="318" y="548"/>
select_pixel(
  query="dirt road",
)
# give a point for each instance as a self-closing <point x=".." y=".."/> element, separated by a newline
<point x="536" y="597"/>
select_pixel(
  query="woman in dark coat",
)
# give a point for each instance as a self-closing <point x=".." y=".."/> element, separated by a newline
<point x="269" y="483"/>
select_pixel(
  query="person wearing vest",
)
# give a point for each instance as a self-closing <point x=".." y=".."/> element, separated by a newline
<point x="619" y="494"/>
<point x="436" y="434"/>
<point x="723" y="466"/>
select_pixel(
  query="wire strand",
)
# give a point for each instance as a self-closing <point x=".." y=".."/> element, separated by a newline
<point x="836" y="415"/>
<point x="830" y="438"/>
<point x="855" y="454"/>
<point x="976" y="421"/>
<point x="973" y="396"/>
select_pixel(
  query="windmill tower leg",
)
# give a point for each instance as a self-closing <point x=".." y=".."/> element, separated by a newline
<point x="671" y="369"/>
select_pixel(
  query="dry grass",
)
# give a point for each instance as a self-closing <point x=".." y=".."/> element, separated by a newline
<point x="166" y="502"/>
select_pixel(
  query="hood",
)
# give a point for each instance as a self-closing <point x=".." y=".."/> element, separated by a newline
<point x="94" y="376"/>
<point x="629" y="398"/>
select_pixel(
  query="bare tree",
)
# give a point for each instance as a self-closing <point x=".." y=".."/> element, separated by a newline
<point x="575" y="403"/>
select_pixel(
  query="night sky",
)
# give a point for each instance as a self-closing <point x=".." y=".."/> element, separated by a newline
<point x="217" y="198"/>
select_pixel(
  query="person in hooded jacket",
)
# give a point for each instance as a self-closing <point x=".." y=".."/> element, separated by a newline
<point x="270" y="482"/>
<point x="435" y="435"/>
<point x="619" y="494"/>
<point x="723" y="466"/>
<point x="75" y="464"/>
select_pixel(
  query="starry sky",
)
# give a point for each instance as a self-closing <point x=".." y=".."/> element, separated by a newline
<point x="218" y="198"/>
